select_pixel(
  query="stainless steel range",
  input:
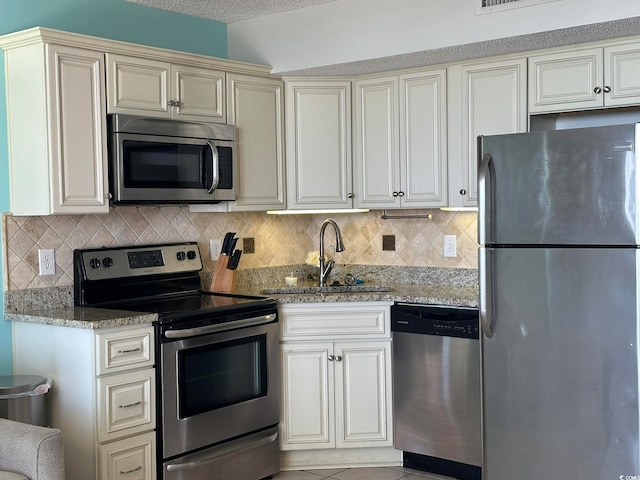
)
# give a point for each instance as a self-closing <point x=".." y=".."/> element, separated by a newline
<point x="217" y="359"/>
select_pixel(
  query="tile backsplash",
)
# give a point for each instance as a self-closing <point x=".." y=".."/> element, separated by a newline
<point x="279" y="239"/>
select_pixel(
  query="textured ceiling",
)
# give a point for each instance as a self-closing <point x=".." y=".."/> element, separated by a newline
<point x="229" y="11"/>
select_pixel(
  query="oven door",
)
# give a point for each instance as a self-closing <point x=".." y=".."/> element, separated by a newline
<point x="159" y="169"/>
<point x="218" y="386"/>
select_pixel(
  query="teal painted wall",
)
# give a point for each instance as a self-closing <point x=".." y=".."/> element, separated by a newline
<point x="114" y="19"/>
<point x="6" y="363"/>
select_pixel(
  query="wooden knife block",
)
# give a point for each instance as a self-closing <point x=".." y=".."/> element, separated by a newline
<point x="224" y="280"/>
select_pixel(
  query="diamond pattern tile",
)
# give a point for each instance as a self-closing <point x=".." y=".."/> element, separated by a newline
<point x="279" y="240"/>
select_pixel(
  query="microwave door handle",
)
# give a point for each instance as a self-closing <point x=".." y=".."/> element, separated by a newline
<point x="215" y="167"/>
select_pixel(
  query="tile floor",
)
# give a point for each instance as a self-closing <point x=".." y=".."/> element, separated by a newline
<point x="377" y="473"/>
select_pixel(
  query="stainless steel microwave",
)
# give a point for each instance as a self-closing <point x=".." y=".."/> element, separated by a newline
<point x="157" y="161"/>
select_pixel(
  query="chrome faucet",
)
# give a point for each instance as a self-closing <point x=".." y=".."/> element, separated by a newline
<point x="325" y="269"/>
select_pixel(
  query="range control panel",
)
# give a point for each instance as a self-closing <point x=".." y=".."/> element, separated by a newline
<point x="124" y="262"/>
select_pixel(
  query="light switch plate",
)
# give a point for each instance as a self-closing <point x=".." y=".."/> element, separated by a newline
<point x="450" y="246"/>
<point x="46" y="261"/>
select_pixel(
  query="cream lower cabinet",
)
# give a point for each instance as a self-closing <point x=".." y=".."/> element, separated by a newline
<point x="487" y="98"/>
<point x="585" y="78"/>
<point x="336" y="380"/>
<point x="143" y="86"/>
<point x="400" y="140"/>
<point x="318" y="140"/>
<point x="255" y="107"/>
<point x="57" y="127"/>
<point x="103" y="395"/>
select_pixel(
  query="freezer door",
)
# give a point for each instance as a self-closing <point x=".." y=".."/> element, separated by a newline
<point x="568" y="187"/>
<point x="560" y="371"/>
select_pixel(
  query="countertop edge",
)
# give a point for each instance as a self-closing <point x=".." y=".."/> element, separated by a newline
<point x="82" y="317"/>
<point x="97" y="318"/>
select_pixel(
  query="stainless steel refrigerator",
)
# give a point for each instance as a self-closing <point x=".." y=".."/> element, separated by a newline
<point x="559" y="269"/>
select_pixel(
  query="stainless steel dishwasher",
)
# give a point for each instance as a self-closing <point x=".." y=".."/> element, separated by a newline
<point x="436" y="389"/>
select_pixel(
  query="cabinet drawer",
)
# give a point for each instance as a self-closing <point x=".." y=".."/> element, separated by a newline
<point x="124" y="349"/>
<point x="129" y="459"/>
<point x="126" y="404"/>
<point x="350" y="319"/>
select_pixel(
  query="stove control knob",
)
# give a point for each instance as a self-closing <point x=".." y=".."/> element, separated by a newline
<point x="191" y="254"/>
<point x="181" y="256"/>
<point x="107" y="262"/>
<point x="94" y="263"/>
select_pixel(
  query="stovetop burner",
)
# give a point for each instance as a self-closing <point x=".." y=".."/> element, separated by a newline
<point x="162" y="279"/>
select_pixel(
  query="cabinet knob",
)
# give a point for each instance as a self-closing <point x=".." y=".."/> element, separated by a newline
<point x="395" y="194"/>
<point x="338" y="358"/>
<point x="172" y="103"/>
<point x="349" y="195"/>
<point x="597" y="90"/>
<point x="463" y="191"/>
<point x="401" y="194"/>
<point x="331" y="358"/>
<point x="606" y="89"/>
<point x="108" y="196"/>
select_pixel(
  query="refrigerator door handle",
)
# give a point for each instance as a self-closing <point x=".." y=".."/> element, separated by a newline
<point x="485" y="268"/>
<point x="484" y="208"/>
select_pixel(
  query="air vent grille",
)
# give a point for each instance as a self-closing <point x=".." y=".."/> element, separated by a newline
<point x="491" y="3"/>
<point x="491" y="6"/>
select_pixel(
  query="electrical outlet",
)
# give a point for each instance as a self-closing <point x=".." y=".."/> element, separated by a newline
<point x="450" y="246"/>
<point x="46" y="261"/>
<point x="215" y="245"/>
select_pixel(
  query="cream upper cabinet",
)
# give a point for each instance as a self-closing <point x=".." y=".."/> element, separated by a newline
<point x="57" y="132"/>
<point x="484" y="99"/>
<point x="401" y="140"/>
<point x="585" y="78"/>
<point x="336" y="376"/>
<point x="142" y="86"/>
<point x="255" y="107"/>
<point x="318" y="140"/>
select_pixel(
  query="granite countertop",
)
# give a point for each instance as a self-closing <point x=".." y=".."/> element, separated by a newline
<point x="81" y="317"/>
<point x="95" y="318"/>
<point x="424" y="294"/>
<point x="434" y="286"/>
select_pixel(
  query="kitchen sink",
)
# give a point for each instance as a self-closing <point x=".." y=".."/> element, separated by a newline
<point x="326" y="289"/>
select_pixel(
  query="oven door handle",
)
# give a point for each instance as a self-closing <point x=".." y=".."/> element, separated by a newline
<point x="236" y="447"/>
<point x="219" y="327"/>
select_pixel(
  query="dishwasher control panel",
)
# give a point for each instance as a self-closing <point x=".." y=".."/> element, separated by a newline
<point x="462" y="322"/>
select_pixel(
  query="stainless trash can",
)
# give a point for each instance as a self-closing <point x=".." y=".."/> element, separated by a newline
<point x="23" y="399"/>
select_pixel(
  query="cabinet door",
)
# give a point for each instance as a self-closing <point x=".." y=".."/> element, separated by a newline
<point x="129" y="459"/>
<point x="622" y="75"/>
<point x="318" y="135"/>
<point x="77" y="137"/>
<point x="137" y="86"/>
<point x="491" y="99"/>
<point x="363" y="394"/>
<point x="376" y="162"/>
<point x="307" y="419"/>
<point x="198" y="94"/>
<point x="255" y="107"/>
<point x="423" y="139"/>
<point x="566" y="81"/>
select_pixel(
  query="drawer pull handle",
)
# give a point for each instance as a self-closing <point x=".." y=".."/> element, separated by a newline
<point x="127" y="472"/>
<point x="130" y="350"/>
<point x="131" y="404"/>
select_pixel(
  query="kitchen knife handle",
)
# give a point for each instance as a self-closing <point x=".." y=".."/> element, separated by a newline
<point x="215" y="167"/>
<point x="485" y="288"/>
<point x="484" y="207"/>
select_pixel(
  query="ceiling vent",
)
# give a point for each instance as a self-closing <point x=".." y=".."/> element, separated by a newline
<point x="493" y="6"/>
